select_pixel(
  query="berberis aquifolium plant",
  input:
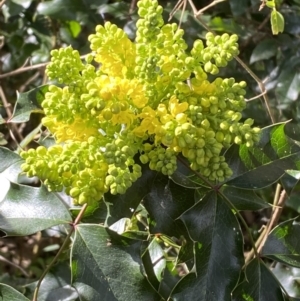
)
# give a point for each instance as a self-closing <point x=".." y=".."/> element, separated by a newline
<point x="151" y="98"/>
<point x="156" y="154"/>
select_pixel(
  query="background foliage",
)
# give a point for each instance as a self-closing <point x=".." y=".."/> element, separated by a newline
<point x="158" y="241"/>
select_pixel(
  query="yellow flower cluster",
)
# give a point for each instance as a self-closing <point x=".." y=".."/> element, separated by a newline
<point x="149" y="97"/>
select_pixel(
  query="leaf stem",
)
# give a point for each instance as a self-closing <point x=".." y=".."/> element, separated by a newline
<point x="65" y="243"/>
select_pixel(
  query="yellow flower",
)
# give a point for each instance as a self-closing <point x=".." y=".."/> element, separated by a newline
<point x="175" y="107"/>
<point x="77" y="131"/>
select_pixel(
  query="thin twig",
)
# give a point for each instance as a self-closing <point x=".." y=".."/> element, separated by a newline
<point x="2" y="258"/>
<point x="257" y="96"/>
<point x="2" y="2"/>
<point x="278" y="203"/>
<point x="7" y="107"/>
<point x="29" y="80"/>
<point x="201" y="11"/>
<point x="76" y="222"/>
<point x="28" y="68"/>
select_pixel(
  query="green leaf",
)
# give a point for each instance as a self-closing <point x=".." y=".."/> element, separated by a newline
<point x="277" y="22"/>
<point x="157" y="257"/>
<point x="55" y="286"/>
<point x="26" y="210"/>
<point x="165" y="203"/>
<point x="24" y="3"/>
<point x="109" y="267"/>
<point x="288" y="88"/>
<point x="266" y="162"/>
<point x="218" y="249"/>
<point x="239" y="7"/>
<point x="283" y="243"/>
<point x="270" y="4"/>
<point x="259" y="284"/>
<point x="8" y="158"/>
<point x="264" y="50"/>
<point x="61" y="9"/>
<point x="9" y="170"/>
<point x="7" y="293"/>
<point x="244" y="199"/>
<point x="27" y="103"/>
<point x="74" y="27"/>
<point x="289" y="278"/>
<point x="124" y="205"/>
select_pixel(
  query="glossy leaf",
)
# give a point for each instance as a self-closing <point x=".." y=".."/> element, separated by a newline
<point x="264" y="50"/>
<point x="26" y="210"/>
<point x="108" y="267"/>
<point x="244" y="199"/>
<point x="124" y="205"/>
<point x="8" y="158"/>
<point x="7" y="293"/>
<point x="218" y="249"/>
<point x="266" y="162"/>
<point x="55" y="286"/>
<point x="289" y="278"/>
<point x="27" y="103"/>
<point x="61" y="9"/>
<point x="259" y="284"/>
<point x="165" y="203"/>
<point x="283" y="243"/>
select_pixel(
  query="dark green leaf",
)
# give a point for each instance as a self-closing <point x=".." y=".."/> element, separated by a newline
<point x="283" y="243"/>
<point x="218" y="249"/>
<point x="61" y="9"/>
<point x="244" y="199"/>
<point x="27" y="103"/>
<point x="266" y="162"/>
<point x="9" y="170"/>
<point x="239" y="7"/>
<point x="8" y="158"/>
<point x="110" y="266"/>
<point x="165" y="203"/>
<point x="125" y="205"/>
<point x="55" y="286"/>
<point x="26" y="210"/>
<point x="289" y="180"/>
<point x="264" y="50"/>
<point x="7" y="293"/>
<point x="24" y="3"/>
<point x="259" y="285"/>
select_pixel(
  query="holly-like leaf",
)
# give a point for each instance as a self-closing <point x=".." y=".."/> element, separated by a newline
<point x="165" y="203"/>
<point x="283" y="243"/>
<point x="26" y="210"/>
<point x="124" y="205"/>
<point x="244" y="199"/>
<point x="218" y="249"/>
<point x="7" y="293"/>
<point x="265" y="163"/>
<point x="259" y="284"/>
<point x="27" y="103"/>
<point x="108" y="267"/>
